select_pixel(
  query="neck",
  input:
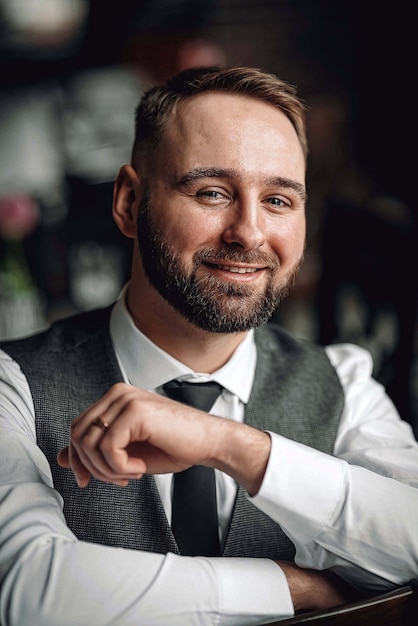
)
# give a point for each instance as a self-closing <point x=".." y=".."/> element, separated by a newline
<point x="199" y="349"/>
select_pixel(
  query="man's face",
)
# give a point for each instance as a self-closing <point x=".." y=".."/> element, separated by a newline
<point x="221" y="228"/>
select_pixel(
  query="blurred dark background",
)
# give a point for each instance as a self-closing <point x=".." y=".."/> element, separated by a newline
<point x="71" y="73"/>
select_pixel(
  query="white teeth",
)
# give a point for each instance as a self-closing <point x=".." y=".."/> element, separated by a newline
<point x="238" y="270"/>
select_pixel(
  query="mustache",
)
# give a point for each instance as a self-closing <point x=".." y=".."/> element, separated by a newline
<point x="234" y="255"/>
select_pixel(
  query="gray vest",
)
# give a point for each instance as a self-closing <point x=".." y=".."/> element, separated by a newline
<point x="296" y="393"/>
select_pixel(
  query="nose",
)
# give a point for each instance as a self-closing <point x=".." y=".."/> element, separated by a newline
<point x="245" y="225"/>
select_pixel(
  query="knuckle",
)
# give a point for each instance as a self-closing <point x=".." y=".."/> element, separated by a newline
<point x="75" y="434"/>
<point x="119" y="388"/>
<point x="132" y="404"/>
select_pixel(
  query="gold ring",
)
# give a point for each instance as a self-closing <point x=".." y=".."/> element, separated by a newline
<point x="98" y="422"/>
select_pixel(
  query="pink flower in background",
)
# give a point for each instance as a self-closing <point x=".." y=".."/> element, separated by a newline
<point x="18" y="216"/>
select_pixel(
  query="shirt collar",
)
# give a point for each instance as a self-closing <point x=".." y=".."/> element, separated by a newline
<point x="145" y="365"/>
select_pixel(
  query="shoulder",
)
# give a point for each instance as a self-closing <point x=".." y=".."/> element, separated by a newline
<point x="293" y="358"/>
<point x="63" y="335"/>
<point x="273" y="338"/>
<point x="351" y="361"/>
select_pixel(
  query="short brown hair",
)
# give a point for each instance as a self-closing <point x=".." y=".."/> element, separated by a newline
<point x="159" y="102"/>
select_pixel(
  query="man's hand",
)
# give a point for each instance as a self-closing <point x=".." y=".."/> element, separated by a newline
<point x="314" y="590"/>
<point x="150" y="433"/>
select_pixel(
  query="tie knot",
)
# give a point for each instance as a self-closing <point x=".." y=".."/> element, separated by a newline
<point x="199" y="395"/>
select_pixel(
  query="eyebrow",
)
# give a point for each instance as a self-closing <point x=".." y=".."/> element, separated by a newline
<point x="214" y="172"/>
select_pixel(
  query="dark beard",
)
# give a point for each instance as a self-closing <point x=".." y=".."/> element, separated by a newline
<point x="207" y="302"/>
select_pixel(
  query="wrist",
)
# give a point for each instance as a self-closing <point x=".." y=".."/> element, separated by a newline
<point x="312" y="589"/>
<point x="242" y="452"/>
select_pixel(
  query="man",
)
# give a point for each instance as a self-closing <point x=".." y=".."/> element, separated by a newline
<point x="314" y="468"/>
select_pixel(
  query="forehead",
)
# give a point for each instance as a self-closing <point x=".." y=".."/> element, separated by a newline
<point x="231" y="131"/>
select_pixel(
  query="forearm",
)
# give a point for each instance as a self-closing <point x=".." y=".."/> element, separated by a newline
<point x="315" y="590"/>
<point x="339" y="518"/>
<point x="51" y="579"/>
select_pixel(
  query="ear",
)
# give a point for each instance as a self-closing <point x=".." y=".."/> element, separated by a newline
<point x="126" y="197"/>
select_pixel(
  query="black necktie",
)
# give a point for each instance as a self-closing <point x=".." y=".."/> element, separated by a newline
<point x="194" y="515"/>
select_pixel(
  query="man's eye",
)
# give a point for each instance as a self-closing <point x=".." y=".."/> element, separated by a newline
<point x="277" y="202"/>
<point x="210" y="194"/>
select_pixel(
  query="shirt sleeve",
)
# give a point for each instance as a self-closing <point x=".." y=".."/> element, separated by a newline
<point x="351" y="512"/>
<point x="49" y="578"/>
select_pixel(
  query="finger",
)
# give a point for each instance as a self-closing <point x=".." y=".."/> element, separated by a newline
<point x="124" y="456"/>
<point x="88" y="438"/>
<point x="83" y="467"/>
<point x="62" y="458"/>
<point x="115" y="445"/>
<point x="101" y="414"/>
<point x="81" y="423"/>
<point x="81" y="473"/>
<point x="74" y="458"/>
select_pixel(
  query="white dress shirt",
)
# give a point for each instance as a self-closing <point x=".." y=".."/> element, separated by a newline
<point x="361" y="522"/>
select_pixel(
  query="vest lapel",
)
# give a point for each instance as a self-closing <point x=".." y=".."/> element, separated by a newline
<point x="284" y="400"/>
<point x="251" y="532"/>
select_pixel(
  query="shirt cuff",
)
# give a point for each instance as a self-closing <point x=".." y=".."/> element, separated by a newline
<point x="302" y="490"/>
<point x="251" y="588"/>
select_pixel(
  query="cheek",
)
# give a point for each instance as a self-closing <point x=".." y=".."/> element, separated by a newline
<point x="188" y="231"/>
<point x="288" y="241"/>
<point x="184" y="236"/>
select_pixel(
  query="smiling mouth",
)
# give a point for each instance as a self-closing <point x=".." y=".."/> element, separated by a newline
<point x="235" y="269"/>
